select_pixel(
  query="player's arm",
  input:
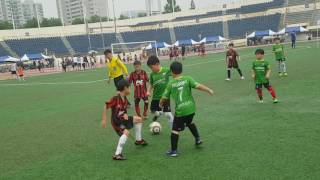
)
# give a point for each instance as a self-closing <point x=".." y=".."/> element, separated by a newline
<point x="253" y="74"/>
<point x="268" y="73"/>
<point x="123" y="67"/>
<point x="166" y="96"/>
<point x="104" y="117"/>
<point x="150" y="86"/>
<point x="204" y="88"/>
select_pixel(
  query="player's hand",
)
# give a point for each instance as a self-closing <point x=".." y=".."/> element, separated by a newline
<point x="137" y="119"/>
<point x="211" y="92"/>
<point x="126" y="117"/>
<point x="103" y="124"/>
<point x="253" y="77"/>
<point x="267" y="77"/>
<point x="148" y="93"/>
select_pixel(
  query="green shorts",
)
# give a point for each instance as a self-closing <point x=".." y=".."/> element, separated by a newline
<point x="281" y="59"/>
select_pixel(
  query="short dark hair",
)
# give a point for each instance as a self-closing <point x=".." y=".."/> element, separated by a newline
<point x="176" y="67"/>
<point x="259" y="51"/>
<point x="122" y="84"/>
<point x="153" y="60"/>
<point x="137" y="63"/>
<point x="231" y="44"/>
<point x="107" y="51"/>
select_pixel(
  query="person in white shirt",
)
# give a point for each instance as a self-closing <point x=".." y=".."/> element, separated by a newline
<point x="14" y="71"/>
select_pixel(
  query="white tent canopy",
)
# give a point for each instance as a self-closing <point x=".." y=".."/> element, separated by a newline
<point x="296" y="29"/>
<point x="261" y="33"/>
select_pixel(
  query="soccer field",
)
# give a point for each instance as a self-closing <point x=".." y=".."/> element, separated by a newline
<point x="50" y="126"/>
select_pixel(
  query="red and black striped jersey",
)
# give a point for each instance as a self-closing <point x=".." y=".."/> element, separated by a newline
<point x="140" y="83"/>
<point x="118" y="106"/>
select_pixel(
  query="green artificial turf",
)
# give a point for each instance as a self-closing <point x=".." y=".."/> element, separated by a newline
<point x="52" y="131"/>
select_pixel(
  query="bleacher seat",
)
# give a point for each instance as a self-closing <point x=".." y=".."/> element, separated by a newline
<point x="161" y="35"/>
<point x="238" y="28"/>
<point x="37" y="45"/>
<point x="302" y="17"/>
<point x="3" y="52"/>
<point x="198" y="31"/>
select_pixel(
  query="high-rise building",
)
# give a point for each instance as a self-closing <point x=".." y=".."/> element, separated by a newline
<point x="69" y="10"/>
<point x="17" y="12"/>
<point x="32" y="10"/>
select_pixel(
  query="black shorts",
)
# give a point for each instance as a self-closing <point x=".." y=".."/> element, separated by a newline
<point x="13" y="72"/>
<point x="179" y="123"/>
<point x="155" y="106"/>
<point x="138" y="99"/>
<point x="281" y="60"/>
<point x="119" y="126"/>
<point x="233" y="64"/>
<point x="266" y="85"/>
<point x="117" y="79"/>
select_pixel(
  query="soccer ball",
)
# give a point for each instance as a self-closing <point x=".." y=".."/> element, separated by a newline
<point x="155" y="128"/>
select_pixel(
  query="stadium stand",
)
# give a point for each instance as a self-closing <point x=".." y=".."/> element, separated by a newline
<point x="161" y="35"/>
<point x="299" y="2"/>
<point x="238" y="28"/>
<point x="149" y="23"/>
<point x="37" y="45"/>
<point x="193" y="32"/>
<point x="3" y="52"/>
<point x="261" y="6"/>
<point x="302" y="17"/>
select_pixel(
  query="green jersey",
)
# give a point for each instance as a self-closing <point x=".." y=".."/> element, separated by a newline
<point x="260" y="67"/>
<point x="278" y="49"/>
<point x="180" y="90"/>
<point x="159" y="82"/>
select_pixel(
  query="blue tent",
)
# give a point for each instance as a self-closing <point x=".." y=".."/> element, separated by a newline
<point x="261" y="33"/>
<point x="296" y="29"/>
<point x="38" y="56"/>
<point x="3" y="58"/>
<point x="183" y="42"/>
<point x="8" y="59"/>
<point x="214" y="39"/>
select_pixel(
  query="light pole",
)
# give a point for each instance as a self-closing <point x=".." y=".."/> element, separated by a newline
<point x="114" y="20"/>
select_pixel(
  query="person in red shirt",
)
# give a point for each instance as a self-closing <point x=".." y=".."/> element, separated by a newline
<point x="120" y="120"/>
<point x="139" y="78"/>
<point x="232" y="58"/>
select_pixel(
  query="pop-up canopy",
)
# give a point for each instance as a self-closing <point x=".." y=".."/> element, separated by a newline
<point x="39" y="56"/>
<point x="158" y="45"/>
<point x="213" y="39"/>
<point x="296" y="29"/>
<point x="184" y="42"/>
<point x="8" y="59"/>
<point x="261" y="33"/>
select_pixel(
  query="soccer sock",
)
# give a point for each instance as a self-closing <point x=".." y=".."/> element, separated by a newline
<point x="174" y="141"/>
<point x="121" y="143"/>
<point x="229" y="73"/>
<point x="156" y="115"/>
<point x="240" y="73"/>
<point x="145" y="111"/>
<point x="138" y="128"/>
<point x="169" y="116"/>
<point x="284" y="69"/>
<point x="137" y="108"/>
<point x="259" y="92"/>
<point x="272" y="92"/>
<point x="194" y="130"/>
<point x="279" y="67"/>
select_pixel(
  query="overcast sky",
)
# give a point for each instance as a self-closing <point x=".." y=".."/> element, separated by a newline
<point x="50" y="9"/>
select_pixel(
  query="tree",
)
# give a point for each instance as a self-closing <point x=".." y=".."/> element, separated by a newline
<point x="123" y="17"/>
<point x="193" y="5"/>
<point x="168" y="7"/>
<point x="94" y="19"/>
<point x="32" y="23"/>
<point x="78" y="21"/>
<point x="5" y="25"/>
<point x="51" y="22"/>
<point x="142" y="14"/>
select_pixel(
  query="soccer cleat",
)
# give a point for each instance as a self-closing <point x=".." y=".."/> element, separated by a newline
<point x="118" y="157"/>
<point x="228" y="79"/>
<point x="280" y="74"/>
<point x="142" y="143"/>
<point x="260" y="101"/>
<point x="275" y="101"/>
<point x="145" y="117"/>
<point x="155" y="118"/>
<point x="172" y="153"/>
<point x="242" y="78"/>
<point x="198" y="142"/>
<point x="285" y="74"/>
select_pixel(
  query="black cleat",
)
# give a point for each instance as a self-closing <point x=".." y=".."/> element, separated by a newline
<point x="119" y="157"/>
<point x="198" y="142"/>
<point x="142" y="143"/>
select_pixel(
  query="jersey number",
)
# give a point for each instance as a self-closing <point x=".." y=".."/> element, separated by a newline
<point x="180" y="89"/>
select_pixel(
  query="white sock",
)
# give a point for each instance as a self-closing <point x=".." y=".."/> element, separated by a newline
<point x="138" y="128"/>
<point x="169" y="116"/>
<point x="121" y="143"/>
<point x="284" y="69"/>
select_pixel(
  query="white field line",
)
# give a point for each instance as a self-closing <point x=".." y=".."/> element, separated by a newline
<point x="96" y="81"/>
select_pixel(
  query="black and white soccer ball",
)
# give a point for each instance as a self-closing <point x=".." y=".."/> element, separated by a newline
<point x="155" y="128"/>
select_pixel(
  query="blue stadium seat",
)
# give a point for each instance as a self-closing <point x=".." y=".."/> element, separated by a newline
<point x="195" y="31"/>
<point x="3" y="52"/>
<point x="161" y="35"/>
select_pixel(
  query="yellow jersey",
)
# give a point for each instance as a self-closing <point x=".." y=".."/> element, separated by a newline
<point x="116" y="67"/>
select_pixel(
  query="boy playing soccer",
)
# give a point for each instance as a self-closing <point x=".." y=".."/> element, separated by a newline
<point x="140" y="78"/>
<point x="232" y="57"/>
<point x="278" y="50"/>
<point x="120" y="120"/>
<point x="180" y="90"/>
<point x="159" y="79"/>
<point x="261" y="73"/>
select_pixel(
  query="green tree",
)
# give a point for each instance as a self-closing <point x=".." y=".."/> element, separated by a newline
<point x="142" y="14"/>
<point x="94" y="19"/>
<point x="51" y="22"/>
<point x="123" y="17"/>
<point x="5" y="25"/>
<point x="32" y="23"/>
<point x="168" y="7"/>
<point x="78" y="21"/>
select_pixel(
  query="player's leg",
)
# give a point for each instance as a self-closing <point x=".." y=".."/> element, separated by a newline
<point x="137" y="123"/>
<point x="155" y="109"/>
<point x="124" y="134"/>
<point x="271" y="91"/>
<point x="279" y="68"/>
<point x="193" y="129"/>
<point x="236" y="66"/>
<point x="168" y="114"/>
<point x="259" y="92"/>
<point x="146" y="105"/>
<point x="137" y="107"/>
<point x="178" y="125"/>
<point x="284" y="68"/>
